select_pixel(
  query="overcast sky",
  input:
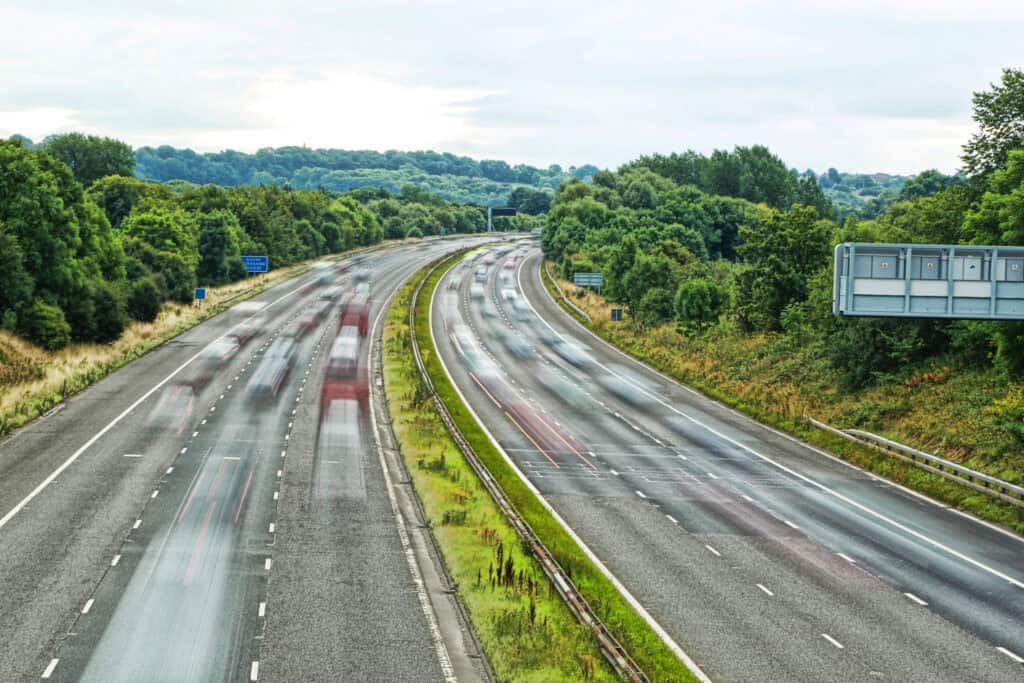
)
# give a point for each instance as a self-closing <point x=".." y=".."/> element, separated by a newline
<point x="862" y="86"/>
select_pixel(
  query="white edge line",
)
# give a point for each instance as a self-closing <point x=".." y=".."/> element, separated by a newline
<point x="1012" y="655"/>
<point x="633" y="602"/>
<point x="832" y="640"/>
<point x="840" y="496"/>
<point x="765" y="590"/>
<point x="87" y="606"/>
<point x="916" y="599"/>
<point x="440" y="649"/>
<point x="254" y="671"/>
<point x="96" y="437"/>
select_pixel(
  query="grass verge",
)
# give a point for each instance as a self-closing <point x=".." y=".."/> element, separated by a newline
<point x="33" y="380"/>
<point x="632" y="632"/>
<point x="778" y="383"/>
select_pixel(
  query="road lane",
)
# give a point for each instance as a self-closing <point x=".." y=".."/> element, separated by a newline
<point x="164" y="529"/>
<point x="665" y="490"/>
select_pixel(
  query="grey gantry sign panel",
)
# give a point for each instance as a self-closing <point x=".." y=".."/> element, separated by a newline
<point x="929" y="281"/>
<point x="588" y="279"/>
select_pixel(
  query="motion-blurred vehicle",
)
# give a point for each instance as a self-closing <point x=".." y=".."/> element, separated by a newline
<point x="212" y="359"/>
<point x="274" y="368"/>
<point x="330" y="293"/>
<point x="629" y="386"/>
<point x="480" y="274"/>
<point x="342" y="379"/>
<point x="490" y="258"/>
<point x="361" y="274"/>
<point x="173" y="408"/>
<point x="355" y="312"/>
<point x="573" y="354"/>
<point x="476" y="291"/>
<point x="321" y="277"/>
<point x="310" y="318"/>
<point x="509" y="294"/>
<point x="520" y="309"/>
<point x="455" y="281"/>
<point x="570" y="392"/>
<point x="515" y="345"/>
<point x="248" y="329"/>
<point x="509" y="264"/>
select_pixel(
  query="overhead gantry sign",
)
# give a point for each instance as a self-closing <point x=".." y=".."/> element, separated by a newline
<point x="929" y="281"/>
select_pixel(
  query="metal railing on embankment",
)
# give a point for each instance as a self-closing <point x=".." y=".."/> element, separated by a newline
<point x="997" y="488"/>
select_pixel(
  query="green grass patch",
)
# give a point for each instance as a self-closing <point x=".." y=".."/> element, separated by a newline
<point x="632" y="632"/>
<point x="524" y="627"/>
<point x="778" y="380"/>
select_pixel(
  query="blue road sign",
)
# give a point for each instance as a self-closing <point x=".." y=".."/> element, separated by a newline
<point x="588" y="279"/>
<point x="200" y="293"/>
<point x="256" y="264"/>
<point x="441" y="232"/>
<point x="953" y="281"/>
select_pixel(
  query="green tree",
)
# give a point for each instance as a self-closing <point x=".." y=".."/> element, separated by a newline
<point x="219" y="252"/>
<point x="111" y="315"/>
<point x="144" y="300"/>
<point x="655" y="307"/>
<point x="783" y="252"/>
<point x="698" y="301"/>
<point x="999" y="114"/>
<point x="91" y="157"/>
<point x="118" y="195"/>
<point x="44" y="324"/>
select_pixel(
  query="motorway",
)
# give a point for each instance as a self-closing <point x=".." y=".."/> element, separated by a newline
<point x="761" y="558"/>
<point x="171" y="524"/>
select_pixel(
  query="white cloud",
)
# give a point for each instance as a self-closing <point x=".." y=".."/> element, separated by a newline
<point x="860" y="85"/>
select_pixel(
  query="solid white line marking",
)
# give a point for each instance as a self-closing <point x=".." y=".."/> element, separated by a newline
<point x="87" y="606"/>
<point x="254" y="672"/>
<point x="263" y="609"/>
<point x="847" y="558"/>
<point x="50" y="667"/>
<point x="133" y="455"/>
<point x="832" y="640"/>
<point x="267" y="563"/>
<point x="713" y="551"/>
<point x="170" y="469"/>
<point x="113" y="562"/>
<point x="137" y="524"/>
<point x="672" y="519"/>
<point x="916" y="599"/>
<point x="155" y="493"/>
<point x="790" y="524"/>
<point x="712" y="475"/>
<point x="1012" y="655"/>
<point x="765" y="589"/>
<point x="641" y="494"/>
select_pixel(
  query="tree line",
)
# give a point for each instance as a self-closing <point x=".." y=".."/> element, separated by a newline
<point x="85" y="247"/>
<point x="737" y="239"/>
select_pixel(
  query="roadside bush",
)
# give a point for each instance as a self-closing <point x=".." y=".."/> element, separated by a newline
<point x="655" y="306"/>
<point x="698" y="301"/>
<point x="111" y="317"/>
<point x="414" y="233"/>
<point x="80" y="313"/>
<point x="9" y="321"/>
<point x="45" y="325"/>
<point x="144" y="300"/>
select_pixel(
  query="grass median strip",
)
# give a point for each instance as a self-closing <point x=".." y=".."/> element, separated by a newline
<point x="628" y="627"/>
<point x="525" y="630"/>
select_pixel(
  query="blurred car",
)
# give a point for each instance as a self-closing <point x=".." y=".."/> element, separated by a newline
<point x="624" y="390"/>
<point x="361" y="274"/>
<point x="342" y="379"/>
<point x="509" y="264"/>
<point x="515" y="345"/>
<point x="330" y="293"/>
<point x="274" y="368"/>
<point x="508" y="294"/>
<point x="489" y="259"/>
<point x="476" y="291"/>
<point x="520" y="309"/>
<point x="355" y="312"/>
<point x="173" y="408"/>
<point x="211" y="359"/>
<point x="573" y="354"/>
<point x="480" y="275"/>
<point x="455" y="281"/>
<point x="570" y="392"/>
<point x="247" y="329"/>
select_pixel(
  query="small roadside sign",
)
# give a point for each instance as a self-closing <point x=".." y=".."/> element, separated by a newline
<point x="200" y="293"/>
<point x="616" y="314"/>
<point x="256" y="264"/>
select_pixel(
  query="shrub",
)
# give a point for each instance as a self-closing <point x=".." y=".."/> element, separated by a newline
<point x="45" y="325"/>
<point x="144" y="300"/>
<point x="655" y="306"/>
<point x="110" y="312"/>
<point x="414" y="233"/>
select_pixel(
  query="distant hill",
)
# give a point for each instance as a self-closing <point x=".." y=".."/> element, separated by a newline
<point x="860" y="192"/>
<point x="456" y="178"/>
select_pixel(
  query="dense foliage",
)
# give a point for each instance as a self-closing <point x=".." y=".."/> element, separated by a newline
<point x="81" y="255"/>
<point x="738" y="238"/>
<point x="455" y="178"/>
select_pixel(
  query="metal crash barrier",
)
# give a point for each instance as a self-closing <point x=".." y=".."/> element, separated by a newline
<point x="929" y="281"/>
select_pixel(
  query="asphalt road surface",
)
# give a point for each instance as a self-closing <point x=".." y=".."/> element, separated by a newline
<point x="188" y="519"/>
<point x="762" y="559"/>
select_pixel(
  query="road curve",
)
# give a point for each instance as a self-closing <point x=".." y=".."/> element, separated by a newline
<point x="763" y="558"/>
<point x="182" y="544"/>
